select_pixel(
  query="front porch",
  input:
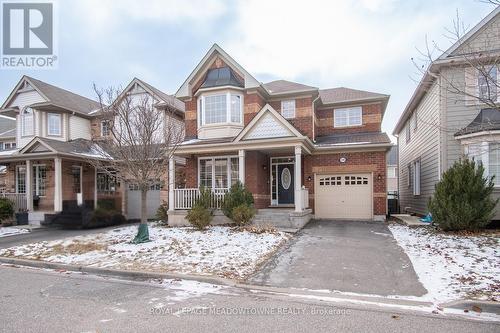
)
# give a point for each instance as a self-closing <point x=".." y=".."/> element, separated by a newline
<point x="274" y="176"/>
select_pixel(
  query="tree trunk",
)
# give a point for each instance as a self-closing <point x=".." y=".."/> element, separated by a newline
<point x="143" y="232"/>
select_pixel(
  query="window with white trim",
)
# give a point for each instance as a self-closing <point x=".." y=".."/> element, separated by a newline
<point x="391" y="172"/>
<point x="105" y="130"/>
<point x="416" y="177"/>
<point x="288" y="109"/>
<point x="28" y="122"/>
<point x="54" y="124"/>
<point x="488" y="154"/>
<point x="487" y="83"/>
<point x="39" y="180"/>
<point x="220" y="108"/>
<point x="106" y="181"/>
<point x="21" y="179"/>
<point x="218" y="172"/>
<point x="346" y="117"/>
<point x="408" y="131"/>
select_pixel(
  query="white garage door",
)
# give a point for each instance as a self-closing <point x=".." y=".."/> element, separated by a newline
<point x="346" y="196"/>
<point x="134" y="201"/>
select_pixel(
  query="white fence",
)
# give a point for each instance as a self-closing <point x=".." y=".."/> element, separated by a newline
<point x="18" y="199"/>
<point x="184" y="198"/>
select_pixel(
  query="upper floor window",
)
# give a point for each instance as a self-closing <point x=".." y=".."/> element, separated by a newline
<point x="54" y="124"/>
<point x="28" y="122"/>
<point x="487" y="83"/>
<point x="8" y="145"/>
<point x="415" y="121"/>
<point x="391" y="172"/>
<point x="220" y="108"/>
<point x="288" y="109"/>
<point x="345" y="117"/>
<point x="105" y="129"/>
<point x="408" y="131"/>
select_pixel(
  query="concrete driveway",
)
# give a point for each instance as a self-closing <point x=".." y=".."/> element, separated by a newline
<point x="349" y="256"/>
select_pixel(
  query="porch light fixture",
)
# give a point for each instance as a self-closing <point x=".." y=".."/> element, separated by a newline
<point x="309" y="178"/>
<point x="379" y="177"/>
<point x="343" y="159"/>
<point x="264" y="166"/>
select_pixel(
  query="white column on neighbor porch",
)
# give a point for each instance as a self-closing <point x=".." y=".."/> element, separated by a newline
<point x="171" y="183"/>
<point x="29" y="186"/>
<point x="241" y="166"/>
<point x="298" y="179"/>
<point x="57" y="184"/>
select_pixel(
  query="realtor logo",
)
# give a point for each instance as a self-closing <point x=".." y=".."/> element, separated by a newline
<point x="28" y="35"/>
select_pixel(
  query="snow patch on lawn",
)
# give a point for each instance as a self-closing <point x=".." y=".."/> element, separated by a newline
<point x="221" y="251"/>
<point x="451" y="266"/>
<point x="9" y="231"/>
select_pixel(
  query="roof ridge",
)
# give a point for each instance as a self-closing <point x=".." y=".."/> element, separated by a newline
<point x="59" y="88"/>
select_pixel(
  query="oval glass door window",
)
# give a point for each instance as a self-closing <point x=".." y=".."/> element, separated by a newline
<point x="286" y="178"/>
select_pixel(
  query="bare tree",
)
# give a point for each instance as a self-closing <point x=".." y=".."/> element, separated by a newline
<point x="479" y="60"/>
<point x="142" y="136"/>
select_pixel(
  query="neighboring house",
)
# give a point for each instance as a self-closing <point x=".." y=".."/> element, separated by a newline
<point x="296" y="147"/>
<point x="7" y="133"/>
<point x="56" y="131"/>
<point x="392" y="170"/>
<point x="438" y="127"/>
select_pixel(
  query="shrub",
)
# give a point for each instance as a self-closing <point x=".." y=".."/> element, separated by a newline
<point x="205" y="199"/>
<point x="462" y="199"/>
<point x="199" y="217"/>
<point x="238" y="195"/>
<point x="6" y="209"/>
<point x="243" y="214"/>
<point x="162" y="212"/>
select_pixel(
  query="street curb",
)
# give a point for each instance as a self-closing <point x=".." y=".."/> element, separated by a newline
<point x="127" y="274"/>
<point x="138" y="275"/>
<point x="468" y="304"/>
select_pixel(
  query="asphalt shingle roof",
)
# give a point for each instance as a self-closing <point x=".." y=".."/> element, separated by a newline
<point x="7" y="127"/>
<point x="486" y="120"/>
<point x="65" y="99"/>
<point x="169" y="99"/>
<point x="342" y="94"/>
<point x="283" y="86"/>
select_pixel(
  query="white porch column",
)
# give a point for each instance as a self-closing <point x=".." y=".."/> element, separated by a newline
<point x="171" y="183"/>
<point x="298" y="179"/>
<point x="57" y="184"/>
<point x="241" y="167"/>
<point x="95" y="188"/>
<point x="29" y="186"/>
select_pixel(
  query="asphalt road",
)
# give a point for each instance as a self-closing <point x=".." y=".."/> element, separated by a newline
<point x="47" y="301"/>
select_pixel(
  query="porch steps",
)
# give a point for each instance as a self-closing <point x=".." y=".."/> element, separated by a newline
<point x="275" y="217"/>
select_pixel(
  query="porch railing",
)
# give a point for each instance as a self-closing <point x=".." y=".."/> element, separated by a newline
<point x="184" y="198"/>
<point x="18" y="199"/>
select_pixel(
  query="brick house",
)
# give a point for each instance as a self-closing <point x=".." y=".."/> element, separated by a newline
<point x="300" y="150"/>
<point x="56" y="133"/>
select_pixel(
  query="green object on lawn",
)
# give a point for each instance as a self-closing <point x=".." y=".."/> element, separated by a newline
<point x="142" y="234"/>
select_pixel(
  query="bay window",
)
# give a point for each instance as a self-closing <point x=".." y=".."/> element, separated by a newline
<point x="218" y="172"/>
<point x="220" y="108"/>
<point x="486" y="153"/>
<point x="346" y="117"/>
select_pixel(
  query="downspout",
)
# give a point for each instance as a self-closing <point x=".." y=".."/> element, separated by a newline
<point x="314" y="119"/>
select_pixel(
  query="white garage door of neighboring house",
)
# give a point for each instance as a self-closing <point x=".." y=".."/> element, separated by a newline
<point x="344" y="196"/>
<point x="134" y="201"/>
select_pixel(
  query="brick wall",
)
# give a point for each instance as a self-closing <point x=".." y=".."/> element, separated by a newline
<point x="369" y="162"/>
<point x="372" y="119"/>
<point x="257" y="178"/>
<point x="303" y="121"/>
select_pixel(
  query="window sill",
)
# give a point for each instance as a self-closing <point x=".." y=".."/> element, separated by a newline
<point x="348" y="126"/>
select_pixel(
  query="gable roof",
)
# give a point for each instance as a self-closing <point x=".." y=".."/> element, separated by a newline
<point x="56" y="96"/>
<point x="218" y="77"/>
<point x="345" y="95"/>
<point x="185" y="89"/>
<point x="278" y="87"/>
<point x="163" y="97"/>
<point x="470" y="34"/>
<point x="430" y="74"/>
<point x="270" y="123"/>
<point x="78" y="147"/>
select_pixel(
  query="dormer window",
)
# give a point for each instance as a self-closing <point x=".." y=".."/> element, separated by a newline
<point x="54" y="124"/>
<point x="220" y="108"/>
<point x="28" y="122"/>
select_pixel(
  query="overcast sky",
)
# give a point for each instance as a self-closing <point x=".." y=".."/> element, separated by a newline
<point x="365" y="44"/>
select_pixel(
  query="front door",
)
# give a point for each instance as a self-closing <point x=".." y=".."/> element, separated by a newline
<point x="285" y="184"/>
